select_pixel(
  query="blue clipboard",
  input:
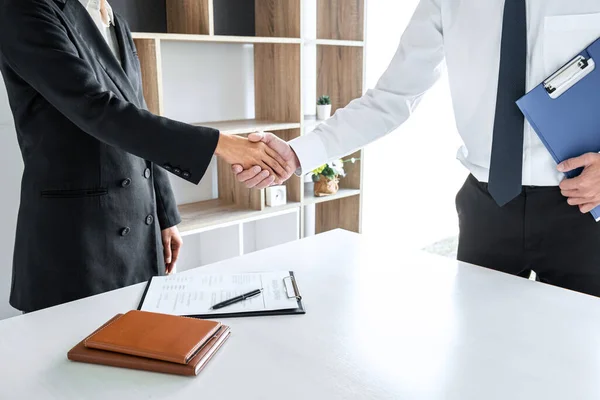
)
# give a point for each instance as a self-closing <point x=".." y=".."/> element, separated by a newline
<point x="564" y="110"/>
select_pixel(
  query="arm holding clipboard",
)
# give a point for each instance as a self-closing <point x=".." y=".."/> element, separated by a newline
<point x="564" y="110"/>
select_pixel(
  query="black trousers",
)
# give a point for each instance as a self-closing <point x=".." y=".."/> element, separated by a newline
<point x="538" y="231"/>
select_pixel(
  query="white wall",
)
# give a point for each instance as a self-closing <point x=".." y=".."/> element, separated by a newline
<point x="11" y="168"/>
<point x="411" y="176"/>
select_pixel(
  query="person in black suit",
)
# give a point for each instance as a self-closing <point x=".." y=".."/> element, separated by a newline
<point x="96" y="201"/>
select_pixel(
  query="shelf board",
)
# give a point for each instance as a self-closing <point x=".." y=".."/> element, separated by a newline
<point x="178" y="37"/>
<point x="310" y="198"/>
<point x="212" y="214"/>
<point x="243" y="126"/>
<point x="331" y="42"/>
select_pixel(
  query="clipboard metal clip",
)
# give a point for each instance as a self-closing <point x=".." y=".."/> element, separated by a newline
<point x="566" y="77"/>
<point x="292" y="281"/>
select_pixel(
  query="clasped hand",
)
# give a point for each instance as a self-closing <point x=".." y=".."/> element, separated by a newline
<point x="260" y="161"/>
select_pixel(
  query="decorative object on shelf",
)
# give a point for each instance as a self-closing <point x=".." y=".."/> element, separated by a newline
<point x="276" y="196"/>
<point x="323" y="108"/>
<point x="327" y="177"/>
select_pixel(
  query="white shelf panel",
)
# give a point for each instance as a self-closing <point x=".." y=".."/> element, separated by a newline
<point x="310" y="198"/>
<point x="330" y="42"/>
<point x="244" y="126"/>
<point x="213" y="38"/>
<point x="311" y="122"/>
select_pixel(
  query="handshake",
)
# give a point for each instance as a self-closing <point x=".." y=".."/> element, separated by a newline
<point x="259" y="161"/>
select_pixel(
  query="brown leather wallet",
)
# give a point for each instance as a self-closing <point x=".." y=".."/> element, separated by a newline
<point x="152" y="335"/>
<point x="80" y="353"/>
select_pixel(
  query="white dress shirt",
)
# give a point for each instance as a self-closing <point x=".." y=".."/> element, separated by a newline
<point x="462" y="37"/>
<point x="93" y="7"/>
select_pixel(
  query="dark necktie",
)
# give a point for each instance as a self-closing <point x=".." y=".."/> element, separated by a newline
<point x="506" y="165"/>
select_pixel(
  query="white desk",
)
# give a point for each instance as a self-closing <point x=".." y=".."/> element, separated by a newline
<point x="412" y="327"/>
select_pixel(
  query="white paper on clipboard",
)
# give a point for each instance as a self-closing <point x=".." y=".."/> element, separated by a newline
<point x="194" y="294"/>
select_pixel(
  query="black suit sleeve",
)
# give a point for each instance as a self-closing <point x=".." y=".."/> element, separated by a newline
<point x="34" y="43"/>
<point x="168" y="214"/>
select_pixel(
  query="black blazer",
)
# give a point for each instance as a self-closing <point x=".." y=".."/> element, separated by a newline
<point x="94" y="197"/>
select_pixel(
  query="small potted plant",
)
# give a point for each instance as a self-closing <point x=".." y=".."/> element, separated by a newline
<point x="327" y="177"/>
<point x="323" y="107"/>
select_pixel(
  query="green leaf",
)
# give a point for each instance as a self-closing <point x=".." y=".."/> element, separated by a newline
<point x="324" y="100"/>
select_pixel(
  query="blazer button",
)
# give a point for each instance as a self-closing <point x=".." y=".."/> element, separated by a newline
<point x="147" y="173"/>
<point x="177" y="171"/>
<point x="125" y="231"/>
<point x="186" y="174"/>
<point x="126" y="182"/>
<point x="149" y="220"/>
<point x="168" y="167"/>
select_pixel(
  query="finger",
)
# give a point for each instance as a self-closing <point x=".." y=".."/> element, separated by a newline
<point x="571" y="184"/>
<point x="255" y="181"/>
<point x="249" y="174"/>
<point x="276" y="156"/>
<point x="276" y="162"/>
<point x="577" y="201"/>
<point x="167" y="249"/>
<point x="586" y="208"/>
<point x="574" y="163"/>
<point x="266" y="182"/>
<point x="266" y="166"/>
<point x="171" y="268"/>
<point x="256" y="137"/>
<point x="267" y="137"/>
<point x="237" y="169"/>
<point x="570" y="193"/>
<point x="274" y="165"/>
<point x="176" y="245"/>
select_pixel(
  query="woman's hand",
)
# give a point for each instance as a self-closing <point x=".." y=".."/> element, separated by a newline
<point x="241" y="151"/>
<point x="172" y="243"/>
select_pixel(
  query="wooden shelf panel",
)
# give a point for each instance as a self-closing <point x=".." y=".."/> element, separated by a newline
<point x="277" y="18"/>
<point x="177" y="37"/>
<point x="190" y="16"/>
<point x="149" y="53"/>
<point x="340" y="74"/>
<point x="244" y="126"/>
<point x="342" y="213"/>
<point x="340" y="19"/>
<point x="211" y="214"/>
<point x="333" y="42"/>
<point x="309" y="197"/>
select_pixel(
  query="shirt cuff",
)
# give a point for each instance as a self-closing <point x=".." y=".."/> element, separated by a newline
<point x="310" y="151"/>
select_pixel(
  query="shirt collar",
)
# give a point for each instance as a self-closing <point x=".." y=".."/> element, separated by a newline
<point x="95" y="5"/>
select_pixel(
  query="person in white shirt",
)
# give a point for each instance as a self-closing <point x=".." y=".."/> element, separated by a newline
<point x="516" y="211"/>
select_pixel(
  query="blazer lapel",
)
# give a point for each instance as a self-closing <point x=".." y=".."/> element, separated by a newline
<point x="125" y="48"/>
<point x="83" y="24"/>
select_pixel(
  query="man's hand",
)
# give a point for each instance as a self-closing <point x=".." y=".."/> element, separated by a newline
<point x="584" y="190"/>
<point x="172" y="243"/>
<point x="258" y="178"/>
<point x="249" y="153"/>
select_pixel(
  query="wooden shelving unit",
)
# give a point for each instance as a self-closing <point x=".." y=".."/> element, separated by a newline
<point x="278" y="46"/>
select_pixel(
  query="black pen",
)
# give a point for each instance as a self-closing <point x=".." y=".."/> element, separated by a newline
<point x="237" y="299"/>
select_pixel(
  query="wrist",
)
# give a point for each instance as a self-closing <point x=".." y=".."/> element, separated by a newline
<point x="223" y="144"/>
<point x="295" y="160"/>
